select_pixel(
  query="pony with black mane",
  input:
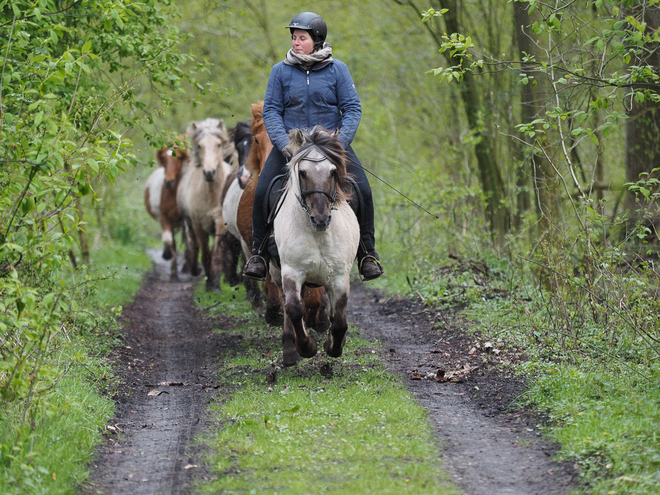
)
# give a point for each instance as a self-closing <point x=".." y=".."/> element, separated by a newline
<point x="317" y="234"/>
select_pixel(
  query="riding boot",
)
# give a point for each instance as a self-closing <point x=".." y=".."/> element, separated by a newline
<point x="368" y="264"/>
<point x="256" y="267"/>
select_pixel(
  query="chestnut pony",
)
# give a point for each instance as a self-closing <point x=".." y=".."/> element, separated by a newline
<point x="160" y="199"/>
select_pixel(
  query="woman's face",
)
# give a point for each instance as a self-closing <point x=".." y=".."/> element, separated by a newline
<point x="302" y="42"/>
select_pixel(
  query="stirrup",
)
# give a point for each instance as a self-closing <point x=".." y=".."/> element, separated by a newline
<point x="256" y="259"/>
<point x="375" y="261"/>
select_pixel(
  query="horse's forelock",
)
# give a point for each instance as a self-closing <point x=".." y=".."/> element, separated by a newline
<point x="215" y="127"/>
<point x="242" y="130"/>
<point x="325" y="143"/>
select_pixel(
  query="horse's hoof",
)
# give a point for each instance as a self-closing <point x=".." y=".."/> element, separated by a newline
<point x="309" y="350"/>
<point x="291" y="358"/>
<point x="273" y="317"/>
<point x="330" y="351"/>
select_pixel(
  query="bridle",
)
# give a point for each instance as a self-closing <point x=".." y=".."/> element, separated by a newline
<point x="307" y="192"/>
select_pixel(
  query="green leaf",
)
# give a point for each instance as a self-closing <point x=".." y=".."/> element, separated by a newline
<point x="87" y="47"/>
<point x="594" y="139"/>
<point x="38" y="119"/>
<point x="27" y="205"/>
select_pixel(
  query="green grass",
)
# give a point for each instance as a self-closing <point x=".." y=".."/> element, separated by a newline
<point x="608" y="421"/>
<point x="47" y="442"/>
<point x="52" y="458"/>
<point x="356" y="432"/>
<point x="123" y="268"/>
<point x="603" y="402"/>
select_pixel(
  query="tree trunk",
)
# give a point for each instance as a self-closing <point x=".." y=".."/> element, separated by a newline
<point x="82" y="235"/>
<point x="537" y="165"/>
<point x="489" y="172"/>
<point x="643" y="125"/>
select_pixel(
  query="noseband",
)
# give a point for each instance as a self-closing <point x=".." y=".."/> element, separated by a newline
<point x="306" y="192"/>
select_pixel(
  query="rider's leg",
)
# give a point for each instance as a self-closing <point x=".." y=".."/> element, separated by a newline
<point x="368" y="263"/>
<point x="257" y="266"/>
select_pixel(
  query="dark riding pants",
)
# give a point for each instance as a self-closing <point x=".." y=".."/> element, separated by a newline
<point x="276" y="164"/>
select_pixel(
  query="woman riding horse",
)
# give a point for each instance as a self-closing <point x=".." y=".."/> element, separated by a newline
<point x="306" y="89"/>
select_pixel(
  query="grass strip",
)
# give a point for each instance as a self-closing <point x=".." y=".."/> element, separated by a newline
<point x="325" y="426"/>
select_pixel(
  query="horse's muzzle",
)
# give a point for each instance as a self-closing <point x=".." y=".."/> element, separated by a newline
<point x="320" y="224"/>
<point x="209" y="176"/>
<point x="169" y="184"/>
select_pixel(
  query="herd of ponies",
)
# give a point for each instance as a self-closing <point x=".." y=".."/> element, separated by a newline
<point x="206" y="189"/>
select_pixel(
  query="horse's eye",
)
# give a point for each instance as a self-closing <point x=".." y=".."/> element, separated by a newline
<point x="303" y="174"/>
<point x="219" y="145"/>
<point x="256" y="140"/>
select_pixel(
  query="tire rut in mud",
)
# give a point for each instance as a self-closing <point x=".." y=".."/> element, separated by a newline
<point x="487" y="446"/>
<point x="168" y="377"/>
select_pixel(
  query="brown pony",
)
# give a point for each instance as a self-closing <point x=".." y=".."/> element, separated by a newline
<point x="160" y="199"/>
<point x="316" y="302"/>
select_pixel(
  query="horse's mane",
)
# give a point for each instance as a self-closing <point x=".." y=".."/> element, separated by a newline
<point x="257" y="126"/>
<point x="216" y="127"/>
<point x="327" y="144"/>
<point x="241" y="131"/>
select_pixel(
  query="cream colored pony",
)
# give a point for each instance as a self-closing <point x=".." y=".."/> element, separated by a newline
<point x="317" y="236"/>
<point x="200" y="195"/>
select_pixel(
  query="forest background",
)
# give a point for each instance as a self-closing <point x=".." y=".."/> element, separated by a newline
<point x="512" y="147"/>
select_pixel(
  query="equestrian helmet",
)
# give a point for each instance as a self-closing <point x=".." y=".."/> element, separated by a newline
<point x="309" y="21"/>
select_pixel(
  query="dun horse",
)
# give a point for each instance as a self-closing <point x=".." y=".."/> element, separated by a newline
<point x="160" y="199"/>
<point x="315" y="298"/>
<point x="317" y="236"/>
<point x="200" y="196"/>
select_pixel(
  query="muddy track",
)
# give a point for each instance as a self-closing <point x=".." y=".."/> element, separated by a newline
<point x="489" y="446"/>
<point x="167" y="367"/>
<point x="167" y="364"/>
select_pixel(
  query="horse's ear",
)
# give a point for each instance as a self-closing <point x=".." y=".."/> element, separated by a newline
<point x="335" y="135"/>
<point x="297" y="137"/>
<point x="257" y="110"/>
<point x="160" y="156"/>
<point x="221" y="126"/>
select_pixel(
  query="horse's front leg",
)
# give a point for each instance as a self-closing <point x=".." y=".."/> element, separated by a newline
<point x="294" y="312"/>
<point x="174" y="275"/>
<point x="191" y="264"/>
<point x="334" y="346"/>
<point x="203" y="241"/>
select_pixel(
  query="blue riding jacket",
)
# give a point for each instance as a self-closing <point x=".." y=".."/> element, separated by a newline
<point x="297" y="98"/>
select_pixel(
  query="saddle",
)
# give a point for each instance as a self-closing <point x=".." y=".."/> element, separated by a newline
<point x="276" y="190"/>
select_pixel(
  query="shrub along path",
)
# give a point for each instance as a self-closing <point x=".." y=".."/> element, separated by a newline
<point x="168" y="362"/>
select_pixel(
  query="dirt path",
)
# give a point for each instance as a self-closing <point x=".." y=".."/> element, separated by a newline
<point x="487" y="448"/>
<point x="170" y="350"/>
<point x="168" y="378"/>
